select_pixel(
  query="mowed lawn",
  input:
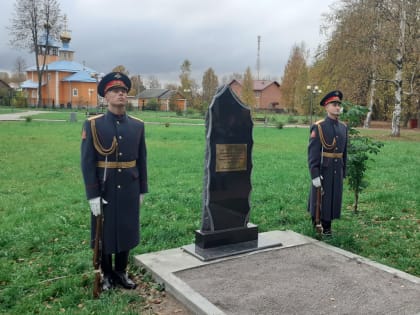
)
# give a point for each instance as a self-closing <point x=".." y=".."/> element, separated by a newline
<point x="45" y="260"/>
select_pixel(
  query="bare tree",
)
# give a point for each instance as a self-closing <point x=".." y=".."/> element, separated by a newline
<point x="154" y="82"/>
<point x="171" y="86"/>
<point x="20" y="66"/>
<point x="234" y="76"/>
<point x="34" y="25"/>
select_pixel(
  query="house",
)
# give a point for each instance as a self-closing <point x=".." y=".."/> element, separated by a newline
<point x="65" y="82"/>
<point x="267" y="94"/>
<point x="168" y="100"/>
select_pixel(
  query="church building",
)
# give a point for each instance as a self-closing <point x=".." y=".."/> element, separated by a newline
<point x="65" y="82"/>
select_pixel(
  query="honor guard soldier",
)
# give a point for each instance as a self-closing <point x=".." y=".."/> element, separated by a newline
<point x="327" y="155"/>
<point x="113" y="162"/>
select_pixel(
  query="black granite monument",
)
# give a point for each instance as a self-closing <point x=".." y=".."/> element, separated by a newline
<point x="225" y="228"/>
<point x="227" y="173"/>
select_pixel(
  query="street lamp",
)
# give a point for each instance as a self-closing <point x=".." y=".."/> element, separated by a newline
<point x="313" y="90"/>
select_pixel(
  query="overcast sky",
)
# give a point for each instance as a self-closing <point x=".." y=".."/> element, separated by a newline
<point x="154" y="37"/>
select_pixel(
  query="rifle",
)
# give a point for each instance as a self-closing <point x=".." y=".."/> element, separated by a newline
<point x="318" y="224"/>
<point x="97" y="255"/>
<point x="319" y="193"/>
<point x="97" y="250"/>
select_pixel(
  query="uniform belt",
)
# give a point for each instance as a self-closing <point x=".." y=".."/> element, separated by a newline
<point x="332" y="155"/>
<point x="116" y="164"/>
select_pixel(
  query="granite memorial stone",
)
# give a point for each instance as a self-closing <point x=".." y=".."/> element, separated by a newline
<point x="227" y="173"/>
<point x="225" y="228"/>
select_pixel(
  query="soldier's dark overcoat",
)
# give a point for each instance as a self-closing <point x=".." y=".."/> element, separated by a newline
<point x="332" y="169"/>
<point x="122" y="186"/>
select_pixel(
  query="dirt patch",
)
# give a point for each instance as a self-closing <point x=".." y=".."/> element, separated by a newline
<point x="157" y="300"/>
<point x="380" y="124"/>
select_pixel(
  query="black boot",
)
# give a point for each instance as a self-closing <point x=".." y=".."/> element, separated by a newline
<point x="326" y="225"/>
<point x="107" y="282"/>
<point x="121" y="278"/>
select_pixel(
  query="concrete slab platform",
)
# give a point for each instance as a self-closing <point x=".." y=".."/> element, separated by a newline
<point x="304" y="276"/>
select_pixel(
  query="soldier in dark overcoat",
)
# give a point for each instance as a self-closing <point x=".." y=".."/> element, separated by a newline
<point x="113" y="161"/>
<point x="327" y="156"/>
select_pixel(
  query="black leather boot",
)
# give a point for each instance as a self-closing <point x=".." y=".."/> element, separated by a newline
<point x="327" y="228"/>
<point x="121" y="278"/>
<point x="107" y="282"/>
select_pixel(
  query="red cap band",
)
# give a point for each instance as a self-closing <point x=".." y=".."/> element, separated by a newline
<point x="114" y="83"/>
<point x="332" y="99"/>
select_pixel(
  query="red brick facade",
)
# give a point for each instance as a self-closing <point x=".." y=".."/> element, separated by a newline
<point x="267" y="94"/>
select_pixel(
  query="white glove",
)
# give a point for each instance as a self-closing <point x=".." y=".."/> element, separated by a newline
<point x="317" y="181"/>
<point x="141" y="199"/>
<point x="95" y="205"/>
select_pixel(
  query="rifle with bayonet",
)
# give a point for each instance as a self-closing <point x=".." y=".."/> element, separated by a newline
<point x="319" y="193"/>
<point x="97" y="250"/>
<point x="318" y="224"/>
<point x="97" y="255"/>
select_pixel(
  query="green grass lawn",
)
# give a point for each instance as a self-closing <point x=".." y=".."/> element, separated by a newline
<point x="160" y="117"/>
<point x="45" y="260"/>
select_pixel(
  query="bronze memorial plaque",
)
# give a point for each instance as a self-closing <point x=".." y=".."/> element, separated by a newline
<point x="231" y="157"/>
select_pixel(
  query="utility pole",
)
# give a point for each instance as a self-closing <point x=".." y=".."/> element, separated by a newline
<point x="258" y="57"/>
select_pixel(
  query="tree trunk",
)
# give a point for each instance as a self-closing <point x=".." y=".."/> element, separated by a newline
<point x="396" y="115"/>
<point x="39" y="93"/>
<point x="39" y="101"/>
<point x="399" y="62"/>
<point x="371" y="101"/>
<point x="40" y="71"/>
<point x="374" y="62"/>
<point x="356" y="201"/>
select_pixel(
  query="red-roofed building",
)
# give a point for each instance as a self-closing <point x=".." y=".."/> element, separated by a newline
<point x="267" y="94"/>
